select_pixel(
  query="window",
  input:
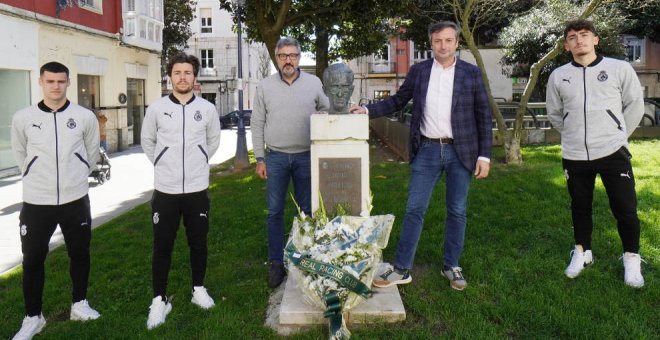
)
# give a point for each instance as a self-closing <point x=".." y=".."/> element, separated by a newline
<point x="419" y="56"/>
<point x="210" y="97"/>
<point x="130" y="5"/>
<point x="129" y="28"/>
<point x="207" y="58"/>
<point x="634" y="48"/>
<point x="381" y="94"/>
<point x="207" y="26"/>
<point x="15" y="89"/>
<point x="88" y="91"/>
<point x="150" y="31"/>
<point x="92" y="5"/>
<point x="383" y="56"/>
<point x="143" y="28"/>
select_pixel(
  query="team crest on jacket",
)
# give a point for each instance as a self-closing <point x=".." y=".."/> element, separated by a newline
<point x="602" y="76"/>
<point x="197" y="116"/>
<point x="71" y="124"/>
<point x="156" y="218"/>
<point x="23" y="230"/>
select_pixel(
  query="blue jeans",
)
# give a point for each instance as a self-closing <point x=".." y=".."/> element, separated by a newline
<point x="432" y="160"/>
<point x="281" y="167"/>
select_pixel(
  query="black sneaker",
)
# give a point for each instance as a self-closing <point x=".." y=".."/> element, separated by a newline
<point x="276" y="274"/>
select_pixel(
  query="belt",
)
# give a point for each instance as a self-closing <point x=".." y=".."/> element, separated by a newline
<point x="438" y="140"/>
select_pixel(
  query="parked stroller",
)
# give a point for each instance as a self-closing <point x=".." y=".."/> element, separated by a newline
<point x="102" y="172"/>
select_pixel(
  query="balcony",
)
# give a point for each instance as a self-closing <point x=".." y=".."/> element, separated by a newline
<point x="382" y="67"/>
<point x="208" y="72"/>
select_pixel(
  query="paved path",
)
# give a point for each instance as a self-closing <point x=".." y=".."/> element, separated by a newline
<point x="131" y="184"/>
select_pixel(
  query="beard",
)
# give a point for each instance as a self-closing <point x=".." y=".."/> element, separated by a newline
<point x="183" y="88"/>
<point x="288" y="70"/>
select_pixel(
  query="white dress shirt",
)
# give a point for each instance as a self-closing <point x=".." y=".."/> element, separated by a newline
<point x="436" y="122"/>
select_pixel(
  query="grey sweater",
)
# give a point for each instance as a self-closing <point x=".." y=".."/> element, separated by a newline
<point x="281" y="113"/>
<point x="594" y="108"/>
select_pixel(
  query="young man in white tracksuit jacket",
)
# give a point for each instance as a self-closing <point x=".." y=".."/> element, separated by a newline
<point x="595" y="103"/>
<point x="180" y="133"/>
<point x="56" y="145"/>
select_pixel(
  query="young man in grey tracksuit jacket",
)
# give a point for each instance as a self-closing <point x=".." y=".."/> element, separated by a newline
<point x="596" y="103"/>
<point x="180" y="133"/>
<point x="56" y="145"/>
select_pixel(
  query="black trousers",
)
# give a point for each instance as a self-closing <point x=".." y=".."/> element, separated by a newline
<point x="616" y="174"/>
<point x="167" y="211"/>
<point x="37" y="225"/>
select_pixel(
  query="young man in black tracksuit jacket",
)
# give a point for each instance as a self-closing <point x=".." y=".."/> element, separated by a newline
<point x="180" y="133"/>
<point x="56" y="145"/>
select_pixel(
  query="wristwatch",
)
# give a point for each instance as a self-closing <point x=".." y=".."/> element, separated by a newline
<point x="261" y="160"/>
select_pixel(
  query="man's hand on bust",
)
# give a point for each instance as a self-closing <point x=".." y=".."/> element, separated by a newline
<point x="356" y="109"/>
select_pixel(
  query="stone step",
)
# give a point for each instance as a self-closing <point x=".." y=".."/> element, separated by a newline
<point x="384" y="306"/>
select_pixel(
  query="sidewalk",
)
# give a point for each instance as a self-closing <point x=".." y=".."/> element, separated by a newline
<point x="131" y="184"/>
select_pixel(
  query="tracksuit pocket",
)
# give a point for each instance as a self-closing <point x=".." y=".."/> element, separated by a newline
<point x="81" y="159"/>
<point x="203" y="152"/>
<point x="623" y="151"/>
<point x="616" y="120"/>
<point x="160" y="155"/>
<point x="27" y="169"/>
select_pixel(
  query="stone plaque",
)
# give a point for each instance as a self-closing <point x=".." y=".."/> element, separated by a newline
<point x="340" y="183"/>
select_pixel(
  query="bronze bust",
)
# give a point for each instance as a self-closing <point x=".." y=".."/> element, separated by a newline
<point x="338" y="86"/>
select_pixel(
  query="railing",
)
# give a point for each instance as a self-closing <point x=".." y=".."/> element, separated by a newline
<point x="208" y="72"/>
<point x="382" y="67"/>
<point x="535" y="115"/>
<point x="653" y="119"/>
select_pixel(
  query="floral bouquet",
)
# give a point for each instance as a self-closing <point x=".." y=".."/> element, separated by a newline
<point x="335" y="261"/>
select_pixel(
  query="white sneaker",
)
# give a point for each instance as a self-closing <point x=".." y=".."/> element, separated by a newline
<point x="578" y="261"/>
<point x="632" y="263"/>
<point x="201" y="298"/>
<point x="81" y="311"/>
<point x="32" y="325"/>
<point x="158" y="312"/>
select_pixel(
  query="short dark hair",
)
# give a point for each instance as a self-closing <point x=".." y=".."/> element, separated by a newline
<point x="440" y="25"/>
<point x="578" y="25"/>
<point x="54" y="67"/>
<point x="182" y="58"/>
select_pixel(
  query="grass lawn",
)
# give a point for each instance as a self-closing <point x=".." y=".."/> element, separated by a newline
<point x="517" y="245"/>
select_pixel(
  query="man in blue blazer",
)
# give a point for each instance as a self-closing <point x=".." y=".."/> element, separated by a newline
<point x="451" y="133"/>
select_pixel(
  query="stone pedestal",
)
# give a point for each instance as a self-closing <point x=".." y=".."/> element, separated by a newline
<point x="384" y="306"/>
<point x="340" y="162"/>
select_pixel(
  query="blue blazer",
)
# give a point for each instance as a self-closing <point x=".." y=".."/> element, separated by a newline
<point x="471" y="120"/>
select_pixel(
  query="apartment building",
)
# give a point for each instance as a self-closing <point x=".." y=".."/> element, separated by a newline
<point x="215" y="43"/>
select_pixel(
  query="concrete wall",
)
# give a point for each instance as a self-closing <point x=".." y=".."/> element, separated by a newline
<point x="500" y="85"/>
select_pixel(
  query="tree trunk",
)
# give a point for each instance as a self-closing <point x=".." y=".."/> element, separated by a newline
<point x="321" y="50"/>
<point x="511" y="148"/>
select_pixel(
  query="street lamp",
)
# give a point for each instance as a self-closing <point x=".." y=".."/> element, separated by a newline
<point x="241" y="157"/>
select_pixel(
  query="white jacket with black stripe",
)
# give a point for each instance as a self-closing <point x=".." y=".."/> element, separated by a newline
<point x="179" y="139"/>
<point x="56" y="151"/>
<point x="594" y="108"/>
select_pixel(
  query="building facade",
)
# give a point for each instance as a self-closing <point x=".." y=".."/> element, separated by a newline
<point x="112" y="70"/>
<point x="216" y="45"/>
<point x="380" y="75"/>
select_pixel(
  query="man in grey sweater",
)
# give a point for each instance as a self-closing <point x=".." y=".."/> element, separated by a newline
<point x="281" y="140"/>
<point x="595" y="103"/>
